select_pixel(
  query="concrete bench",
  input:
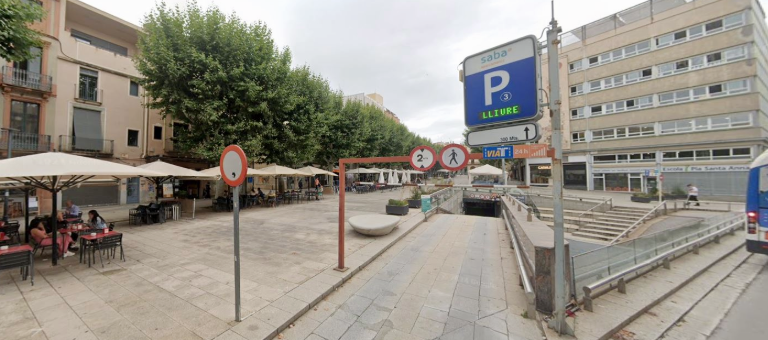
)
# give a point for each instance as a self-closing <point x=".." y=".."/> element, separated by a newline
<point x="374" y="225"/>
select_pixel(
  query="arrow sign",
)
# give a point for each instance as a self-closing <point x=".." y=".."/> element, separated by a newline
<point x="511" y="134"/>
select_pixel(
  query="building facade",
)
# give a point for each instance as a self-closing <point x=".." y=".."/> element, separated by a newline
<point x="80" y="96"/>
<point x="374" y="99"/>
<point x="668" y="87"/>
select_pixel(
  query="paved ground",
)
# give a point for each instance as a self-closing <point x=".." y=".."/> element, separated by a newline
<point x="451" y="278"/>
<point x="177" y="282"/>
<point x="744" y="320"/>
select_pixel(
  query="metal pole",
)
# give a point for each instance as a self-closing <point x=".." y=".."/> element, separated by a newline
<point x="236" y="210"/>
<point x="504" y="170"/>
<point x="7" y="193"/>
<point x="342" y="196"/>
<point x="26" y="215"/>
<point x="557" y="174"/>
<point x="54" y="228"/>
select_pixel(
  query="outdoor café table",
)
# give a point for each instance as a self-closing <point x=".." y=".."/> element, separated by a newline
<point x="27" y="267"/>
<point x="88" y="241"/>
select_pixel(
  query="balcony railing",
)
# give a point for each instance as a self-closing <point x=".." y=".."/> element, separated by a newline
<point x="90" y="146"/>
<point x="25" y="142"/>
<point x="84" y="92"/>
<point x="23" y="78"/>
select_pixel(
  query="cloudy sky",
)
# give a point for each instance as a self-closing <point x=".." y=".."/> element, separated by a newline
<point x="406" y="50"/>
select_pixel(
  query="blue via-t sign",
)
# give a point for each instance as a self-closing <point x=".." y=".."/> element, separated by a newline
<point x="501" y="84"/>
<point x="498" y="152"/>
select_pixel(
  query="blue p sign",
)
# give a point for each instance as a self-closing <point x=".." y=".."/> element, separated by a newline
<point x="501" y="84"/>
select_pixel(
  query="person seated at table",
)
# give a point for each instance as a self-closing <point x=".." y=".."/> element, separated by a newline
<point x="62" y="223"/>
<point x="260" y="193"/>
<point x="44" y="239"/>
<point x="95" y="221"/>
<point x="72" y="210"/>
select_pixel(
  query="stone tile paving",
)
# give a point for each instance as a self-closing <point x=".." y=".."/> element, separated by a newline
<point x="451" y="278"/>
<point x="178" y="282"/>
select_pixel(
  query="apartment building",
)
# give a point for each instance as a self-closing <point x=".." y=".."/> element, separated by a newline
<point x="676" y="86"/>
<point x="374" y="99"/>
<point x="80" y="96"/>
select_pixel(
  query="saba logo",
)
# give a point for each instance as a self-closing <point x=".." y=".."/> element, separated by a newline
<point x="493" y="56"/>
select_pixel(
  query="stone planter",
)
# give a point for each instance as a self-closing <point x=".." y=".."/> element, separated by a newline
<point x="640" y="199"/>
<point x="414" y="203"/>
<point x="397" y="210"/>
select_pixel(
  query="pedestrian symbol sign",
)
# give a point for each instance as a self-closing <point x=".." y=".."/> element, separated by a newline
<point x="454" y="157"/>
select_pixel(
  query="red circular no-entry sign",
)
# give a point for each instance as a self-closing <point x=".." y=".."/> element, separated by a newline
<point x="233" y="165"/>
<point x="454" y="157"/>
<point x="423" y="158"/>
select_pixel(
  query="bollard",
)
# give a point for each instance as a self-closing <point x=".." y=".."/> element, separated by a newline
<point x="696" y="249"/>
<point x="666" y="263"/>
<point x="587" y="299"/>
<point x="622" y="286"/>
<point x="529" y="218"/>
<point x="717" y="239"/>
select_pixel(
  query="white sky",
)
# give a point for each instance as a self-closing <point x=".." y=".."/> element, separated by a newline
<point x="406" y="50"/>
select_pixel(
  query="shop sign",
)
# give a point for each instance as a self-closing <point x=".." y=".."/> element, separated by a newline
<point x="544" y="167"/>
<point x="682" y="168"/>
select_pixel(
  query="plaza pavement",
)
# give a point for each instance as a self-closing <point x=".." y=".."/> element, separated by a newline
<point x="178" y="281"/>
<point x="454" y="277"/>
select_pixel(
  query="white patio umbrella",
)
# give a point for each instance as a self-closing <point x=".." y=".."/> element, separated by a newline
<point x="173" y="171"/>
<point x="56" y="171"/>
<point x="404" y="177"/>
<point x="361" y="171"/>
<point x="381" y="177"/>
<point x="395" y="180"/>
<point x="216" y="172"/>
<point x="487" y="169"/>
<point x="312" y="171"/>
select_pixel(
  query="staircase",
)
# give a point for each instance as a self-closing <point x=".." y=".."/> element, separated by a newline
<point x="597" y="226"/>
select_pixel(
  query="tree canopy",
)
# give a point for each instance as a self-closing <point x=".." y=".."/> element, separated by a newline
<point x="232" y="84"/>
<point x="16" y="36"/>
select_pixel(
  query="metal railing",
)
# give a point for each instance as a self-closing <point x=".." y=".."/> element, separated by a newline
<point x="523" y="265"/>
<point x="591" y="211"/>
<point x="655" y="212"/>
<point x="439" y="197"/>
<point x="23" y="141"/>
<point x="641" y="263"/>
<point x="709" y="205"/>
<point x="87" y="93"/>
<point x="92" y="146"/>
<point x="23" y="78"/>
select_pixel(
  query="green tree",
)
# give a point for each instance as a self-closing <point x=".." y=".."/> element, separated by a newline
<point x="16" y="36"/>
<point x="225" y="78"/>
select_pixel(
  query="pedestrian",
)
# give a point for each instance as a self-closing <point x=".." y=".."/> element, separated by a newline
<point x="318" y="187"/>
<point x="301" y="184"/>
<point x="693" y="194"/>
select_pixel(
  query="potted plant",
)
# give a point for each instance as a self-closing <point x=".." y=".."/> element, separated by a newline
<point x="397" y="207"/>
<point x="641" y="197"/>
<point x="679" y="193"/>
<point x="415" y="200"/>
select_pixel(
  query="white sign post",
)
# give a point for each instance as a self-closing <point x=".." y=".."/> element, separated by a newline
<point x="234" y="168"/>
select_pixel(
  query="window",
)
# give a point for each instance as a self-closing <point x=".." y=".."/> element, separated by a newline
<point x="89" y="80"/>
<point x="710" y="91"/>
<point x="698" y="31"/>
<point x="596" y="110"/>
<point x="708" y="155"/>
<point x="624" y="132"/>
<point x="728" y="121"/>
<point x="133" y="137"/>
<point x="86" y="130"/>
<point x="133" y="88"/>
<point x="616" y="81"/>
<point x="100" y="43"/>
<point x="574" y="66"/>
<point x="25" y="117"/>
<point x="578" y="137"/>
<point x="625" y="158"/>
<point x="622" y="106"/>
<point x="714" y="58"/>
<point x="577" y="89"/>
<point x="157" y="132"/>
<point x="577" y="113"/>
<point x="620" y="53"/>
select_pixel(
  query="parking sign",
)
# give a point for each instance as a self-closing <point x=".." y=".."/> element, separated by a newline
<point x="501" y="85"/>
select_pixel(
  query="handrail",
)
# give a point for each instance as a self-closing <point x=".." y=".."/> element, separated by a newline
<point x="638" y="222"/>
<point x="593" y="208"/>
<point x="434" y="209"/>
<point x="530" y="293"/>
<point x="588" y="289"/>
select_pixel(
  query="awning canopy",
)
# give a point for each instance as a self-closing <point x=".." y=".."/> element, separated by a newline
<point x="279" y="170"/>
<point x="311" y="171"/>
<point x="487" y="169"/>
<point x="67" y="169"/>
<point x="216" y="172"/>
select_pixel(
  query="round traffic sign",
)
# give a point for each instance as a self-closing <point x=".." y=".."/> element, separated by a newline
<point x="423" y="158"/>
<point x="233" y="165"/>
<point x="454" y="157"/>
<point x="661" y="177"/>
